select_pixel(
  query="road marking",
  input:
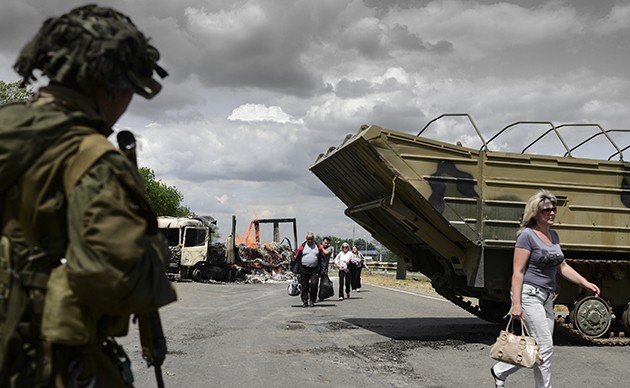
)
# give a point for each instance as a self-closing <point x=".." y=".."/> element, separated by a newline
<point x="403" y="291"/>
<point x="410" y="293"/>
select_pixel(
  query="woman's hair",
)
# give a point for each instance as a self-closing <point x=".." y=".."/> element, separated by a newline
<point x="345" y="245"/>
<point x="534" y="206"/>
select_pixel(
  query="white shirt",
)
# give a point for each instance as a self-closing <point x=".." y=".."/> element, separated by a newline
<point x="342" y="260"/>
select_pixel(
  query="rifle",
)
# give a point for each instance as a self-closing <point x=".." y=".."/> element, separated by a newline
<point x="149" y="324"/>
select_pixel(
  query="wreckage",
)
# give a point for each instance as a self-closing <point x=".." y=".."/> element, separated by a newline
<point x="452" y="213"/>
<point x="194" y="256"/>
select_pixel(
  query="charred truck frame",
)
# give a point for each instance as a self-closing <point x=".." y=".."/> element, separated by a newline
<point x="193" y="256"/>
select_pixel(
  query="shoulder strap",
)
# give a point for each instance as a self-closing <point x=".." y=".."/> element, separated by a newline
<point x="92" y="148"/>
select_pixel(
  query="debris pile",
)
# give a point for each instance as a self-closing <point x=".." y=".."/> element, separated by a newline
<point x="266" y="262"/>
<point x="270" y="256"/>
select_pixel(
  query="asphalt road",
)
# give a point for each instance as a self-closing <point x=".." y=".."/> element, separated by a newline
<point x="255" y="335"/>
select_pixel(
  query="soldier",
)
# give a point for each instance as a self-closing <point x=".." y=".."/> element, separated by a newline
<point x="80" y="250"/>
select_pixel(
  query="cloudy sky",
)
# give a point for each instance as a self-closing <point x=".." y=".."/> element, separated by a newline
<point x="258" y="88"/>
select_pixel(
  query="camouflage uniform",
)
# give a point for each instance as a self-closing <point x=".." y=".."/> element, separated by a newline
<point x="79" y="254"/>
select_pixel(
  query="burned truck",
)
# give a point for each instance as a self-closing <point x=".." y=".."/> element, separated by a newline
<point x="190" y="245"/>
<point x="193" y="255"/>
<point x="452" y="212"/>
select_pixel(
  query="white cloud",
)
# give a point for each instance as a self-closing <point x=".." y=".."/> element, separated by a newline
<point x="230" y="24"/>
<point x="223" y="200"/>
<point x="260" y="112"/>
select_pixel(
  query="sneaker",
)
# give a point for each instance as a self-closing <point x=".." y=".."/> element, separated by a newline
<point x="498" y="383"/>
<point x="358" y="290"/>
<point x="348" y="295"/>
<point x="312" y="304"/>
<point x="341" y="298"/>
<point x="305" y="304"/>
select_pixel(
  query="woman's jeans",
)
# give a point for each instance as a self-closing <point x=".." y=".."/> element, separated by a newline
<point x="538" y="318"/>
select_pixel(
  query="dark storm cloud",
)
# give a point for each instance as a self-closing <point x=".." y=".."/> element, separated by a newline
<point x="346" y="88"/>
<point x="349" y="89"/>
<point x="401" y="38"/>
<point x="376" y="40"/>
<point x="16" y="26"/>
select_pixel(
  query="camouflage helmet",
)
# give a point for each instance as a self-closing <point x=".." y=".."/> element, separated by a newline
<point x="93" y="45"/>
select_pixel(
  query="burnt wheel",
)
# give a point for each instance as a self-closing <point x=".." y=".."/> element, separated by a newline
<point x="591" y="316"/>
<point x="197" y="274"/>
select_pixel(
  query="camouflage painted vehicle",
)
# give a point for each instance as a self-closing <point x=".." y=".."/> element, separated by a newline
<point x="452" y="213"/>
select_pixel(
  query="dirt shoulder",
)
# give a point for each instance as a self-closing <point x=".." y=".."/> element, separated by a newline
<point x="412" y="283"/>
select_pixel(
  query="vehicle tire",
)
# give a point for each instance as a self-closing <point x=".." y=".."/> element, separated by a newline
<point x="197" y="274"/>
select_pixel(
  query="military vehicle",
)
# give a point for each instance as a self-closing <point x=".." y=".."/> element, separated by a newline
<point x="452" y="212"/>
<point x="193" y="255"/>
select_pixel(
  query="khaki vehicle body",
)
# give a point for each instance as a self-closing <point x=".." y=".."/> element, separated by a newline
<point x="453" y="212"/>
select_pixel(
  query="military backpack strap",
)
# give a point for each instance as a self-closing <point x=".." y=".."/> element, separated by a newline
<point x="91" y="149"/>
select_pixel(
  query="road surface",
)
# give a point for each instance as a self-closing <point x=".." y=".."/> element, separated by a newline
<point x="255" y="335"/>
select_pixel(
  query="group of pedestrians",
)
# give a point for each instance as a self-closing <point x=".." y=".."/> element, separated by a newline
<point x="311" y="263"/>
<point x="349" y="263"/>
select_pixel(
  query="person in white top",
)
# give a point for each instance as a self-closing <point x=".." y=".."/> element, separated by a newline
<point x="357" y="262"/>
<point x="341" y="262"/>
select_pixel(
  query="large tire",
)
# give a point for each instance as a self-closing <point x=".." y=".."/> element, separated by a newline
<point x="197" y="275"/>
<point x="591" y="316"/>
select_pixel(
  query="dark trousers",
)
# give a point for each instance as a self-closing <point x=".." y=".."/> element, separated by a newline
<point x="352" y="275"/>
<point x="344" y="277"/>
<point x="356" y="278"/>
<point x="309" y="279"/>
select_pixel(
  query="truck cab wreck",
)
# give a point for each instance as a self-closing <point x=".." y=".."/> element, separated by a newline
<point x="190" y="245"/>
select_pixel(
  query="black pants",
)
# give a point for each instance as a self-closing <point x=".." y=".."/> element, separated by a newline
<point x="352" y="275"/>
<point x="356" y="277"/>
<point x="344" y="277"/>
<point x="309" y="279"/>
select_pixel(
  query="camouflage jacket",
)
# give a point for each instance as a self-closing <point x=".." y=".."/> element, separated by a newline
<point x="99" y="242"/>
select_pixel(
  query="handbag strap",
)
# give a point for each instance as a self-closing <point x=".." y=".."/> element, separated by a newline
<point x="510" y="326"/>
<point x="524" y="330"/>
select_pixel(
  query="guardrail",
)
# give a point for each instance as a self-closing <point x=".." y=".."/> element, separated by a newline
<point x="376" y="265"/>
<point x="383" y="265"/>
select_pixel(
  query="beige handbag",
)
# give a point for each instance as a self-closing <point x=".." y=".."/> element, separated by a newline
<point x="515" y="349"/>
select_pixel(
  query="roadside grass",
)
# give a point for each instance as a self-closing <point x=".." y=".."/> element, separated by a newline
<point x="413" y="282"/>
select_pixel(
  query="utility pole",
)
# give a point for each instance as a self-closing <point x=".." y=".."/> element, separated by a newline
<point x="353" y="235"/>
